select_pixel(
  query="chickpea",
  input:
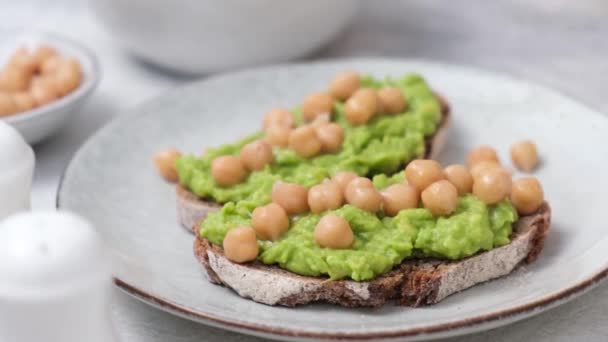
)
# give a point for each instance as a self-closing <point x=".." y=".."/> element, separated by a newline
<point x="344" y="85"/>
<point x="67" y="76"/>
<point x="331" y="137"/>
<point x="41" y="80"/>
<point x="527" y="195"/>
<point x="482" y="153"/>
<point x="24" y="101"/>
<point x="277" y="135"/>
<point x="343" y="178"/>
<point x="440" y="198"/>
<point x="13" y="79"/>
<point x="241" y="245"/>
<point x="279" y="116"/>
<point x="228" y="170"/>
<point x="304" y="141"/>
<point x="492" y="185"/>
<point x="256" y="155"/>
<point x="333" y="231"/>
<point x="361" y="193"/>
<point x="423" y="172"/>
<point x="482" y="166"/>
<point x="361" y="106"/>
<point x="165" y="163"/>
<point x="359" y="182"/>
<point x="398" y="197"/>
<point x="325" y="196"/>
<point x="43" y="91"/>
<point x="316" y="104"/>
<point x="50" y="64"/>
<point x="270" y="221"/>
<point x="7" y="104"/>
<point x="392" y="100"/>
<point x="320" y="120"/>
<point x="292" y="197"/>
<point x="460" y="177"/>
<point x="22" y="60"/>
<point x="43" y="52"/>
<point x="524" y="155"/>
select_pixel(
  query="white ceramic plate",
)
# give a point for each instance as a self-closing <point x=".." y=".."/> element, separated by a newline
<point x="41" y="122"/>
<point x="112" y="181"/>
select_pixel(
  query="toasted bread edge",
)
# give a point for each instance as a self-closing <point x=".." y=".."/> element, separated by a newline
<point x="412" y="283"/>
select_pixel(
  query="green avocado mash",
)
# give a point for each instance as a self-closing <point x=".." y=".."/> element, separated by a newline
<point x="380" y="242"/>
<point x="381" y="146"/>
<point x="376" y="149"/>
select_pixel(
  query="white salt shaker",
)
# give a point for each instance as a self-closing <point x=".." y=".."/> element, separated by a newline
<point x="16" y="171"/>
<point x="54" y="280"/>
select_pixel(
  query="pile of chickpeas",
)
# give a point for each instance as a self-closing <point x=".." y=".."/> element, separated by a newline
<point x="437" y="188"/>
<point x="485" y="178"/>
<point x="33" y="79"/>
<point x="271" y="221"/>
<point x="225" y="170"/>
<point x="362" y="104"/>
<point x="427" y="182"/>
<point x="319" y="134"/>
<point x="231" y="170"/>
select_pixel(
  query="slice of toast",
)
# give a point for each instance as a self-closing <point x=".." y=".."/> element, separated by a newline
<point x="412" y="283"/>
<point x="191" y="209"/>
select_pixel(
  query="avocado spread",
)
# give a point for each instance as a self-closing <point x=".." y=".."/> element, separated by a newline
<point x="382" y="145"/>
<point x="376" y="149"/>
<point x="381" y="242"/>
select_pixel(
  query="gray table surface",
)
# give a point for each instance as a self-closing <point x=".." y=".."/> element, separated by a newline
<point x="559" y="43"/>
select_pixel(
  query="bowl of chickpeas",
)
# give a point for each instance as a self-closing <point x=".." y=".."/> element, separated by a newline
<point x="44" y="80"/>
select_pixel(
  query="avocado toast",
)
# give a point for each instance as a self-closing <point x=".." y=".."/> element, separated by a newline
<point x="414" y="255"/>
<point x="422" y="135"/>
<point x="411" y="283"/>
<point x="191" y="209"/>
<point x="300" y="222"/>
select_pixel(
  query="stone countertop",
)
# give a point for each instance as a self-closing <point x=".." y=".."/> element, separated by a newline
<point x="559" y="43"/>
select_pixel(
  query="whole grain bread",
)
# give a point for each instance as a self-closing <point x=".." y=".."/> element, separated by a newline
<point x="412" y="283"/>
<point x="191" y="209"/>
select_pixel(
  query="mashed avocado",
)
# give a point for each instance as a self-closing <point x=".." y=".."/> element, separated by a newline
<point x="380" y="242"/>
<point x="376" y="149"/>
<point x="381" y="146"/>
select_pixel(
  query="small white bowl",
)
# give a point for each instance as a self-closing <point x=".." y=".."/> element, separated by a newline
<point x="41" y="122"/>
<point x="206" y="36"/>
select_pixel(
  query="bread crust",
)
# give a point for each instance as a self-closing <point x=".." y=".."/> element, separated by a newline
<point x="412" y="283"/>
<point x="192" y="209"/>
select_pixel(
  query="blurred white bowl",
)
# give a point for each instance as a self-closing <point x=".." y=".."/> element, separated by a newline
<point x="41" y="122"/>
<point x="210" y="35"/>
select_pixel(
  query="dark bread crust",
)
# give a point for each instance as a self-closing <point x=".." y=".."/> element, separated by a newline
<point x="192" y="209"/>
<point x="412" y="283"/>
<point x="422" y="284"/>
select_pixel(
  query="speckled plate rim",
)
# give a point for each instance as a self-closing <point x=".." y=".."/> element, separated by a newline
<point x="453" y="328"/>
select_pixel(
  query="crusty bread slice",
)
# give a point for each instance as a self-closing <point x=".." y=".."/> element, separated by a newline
<point x="412" y="283"/>
<point x="192" y="209"/>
